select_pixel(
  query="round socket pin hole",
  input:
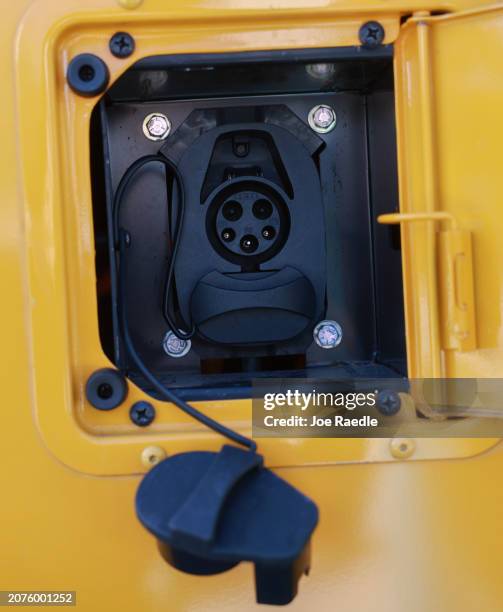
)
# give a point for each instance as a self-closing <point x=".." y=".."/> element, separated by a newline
<point x="262" y="209"/>
<point x="268" y="232"/>
<point x="232" y="210"/>
<point x="249" y="243"/>
<point x="228" y="234"/>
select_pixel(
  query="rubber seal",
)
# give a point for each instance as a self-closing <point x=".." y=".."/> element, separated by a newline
<point x="87" y="75"/>
<point x="106" y="389"/>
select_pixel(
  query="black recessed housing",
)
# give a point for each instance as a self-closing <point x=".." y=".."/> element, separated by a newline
<point x="280" y="226"/>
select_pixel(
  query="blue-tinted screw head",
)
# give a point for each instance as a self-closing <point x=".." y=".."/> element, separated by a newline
<point x="142" y="413"/>
<point x="388" y="402"/>
<point x="371" y="34"/>
<point x="121" y="44"/>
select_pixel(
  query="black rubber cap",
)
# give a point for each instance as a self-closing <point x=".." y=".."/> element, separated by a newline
<point x="106" y="389"/>
<point x="210" y="511"/>
<point x="87" y="75"/>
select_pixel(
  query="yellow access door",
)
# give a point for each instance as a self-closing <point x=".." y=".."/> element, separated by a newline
<point x="449" y="93"/>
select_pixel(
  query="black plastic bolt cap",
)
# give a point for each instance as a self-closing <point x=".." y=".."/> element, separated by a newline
<point x="371" y="34"/>
<point x="210" y="511"/>
<point x="106" y="389"/>
<point x="142" y="413"/>
<point x="388" y="402"/>
<point x="121" y="44"/>
<point x="87" y="75"/>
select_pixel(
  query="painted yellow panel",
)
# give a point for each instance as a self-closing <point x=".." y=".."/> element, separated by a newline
<point x="60" y="249"/>
<point x="394" y="535"/>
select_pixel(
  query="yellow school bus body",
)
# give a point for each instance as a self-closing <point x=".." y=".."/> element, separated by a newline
<point x="421" y="531"/>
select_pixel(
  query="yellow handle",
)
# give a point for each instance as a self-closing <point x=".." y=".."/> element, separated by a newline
<point x="394" y="218"/>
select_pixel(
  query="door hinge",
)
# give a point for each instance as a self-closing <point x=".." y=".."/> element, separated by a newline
<point x="454" y="278"/>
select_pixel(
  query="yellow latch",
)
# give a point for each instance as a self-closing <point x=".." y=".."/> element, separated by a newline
<point x="455" y="279"/>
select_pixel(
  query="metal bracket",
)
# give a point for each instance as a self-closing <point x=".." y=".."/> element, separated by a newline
<point x="455" y="278"/>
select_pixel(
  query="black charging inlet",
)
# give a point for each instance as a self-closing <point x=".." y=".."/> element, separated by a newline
<point x="211" y="511"/>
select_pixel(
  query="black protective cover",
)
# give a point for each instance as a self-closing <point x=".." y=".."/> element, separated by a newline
<point x="210" y="511"/>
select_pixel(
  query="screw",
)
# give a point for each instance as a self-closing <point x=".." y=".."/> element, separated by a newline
<point x="371" y="34"/>
<point x="121" y="44"/>
<point x="105" y="391"/>
<point x="388" y="402"/>
<point x="152" y="455"/>
<point x="87" y="73"/>
<point x="175" y="346"/>
<point x="402" y="448"/>
<point x="241" y="149"/>
<point x="327" y="334"/>
<point x="142" y="413"/>
<point x="129" y="4"/>
<point x="322" y="118"/>
<point x="156" y="126"/>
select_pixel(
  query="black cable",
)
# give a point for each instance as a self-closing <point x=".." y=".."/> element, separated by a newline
<point x="117" y="203"/>
<point x="124" y="242"/>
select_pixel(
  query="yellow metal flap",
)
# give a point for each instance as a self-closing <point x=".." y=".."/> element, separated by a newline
<point x="449" y="95"/>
